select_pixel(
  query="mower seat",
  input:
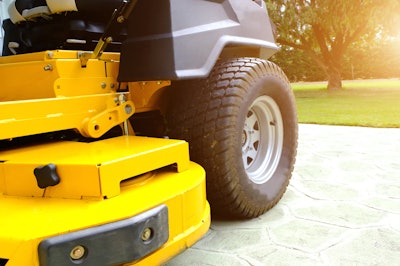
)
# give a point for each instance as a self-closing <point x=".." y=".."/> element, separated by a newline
<point x="38" y="25"/>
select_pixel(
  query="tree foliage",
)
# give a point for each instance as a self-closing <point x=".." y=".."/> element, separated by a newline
<point x="297" y="65"/>
<point x="363" y="59"/>
<point x="372" y="59"/>
<point x="326" y="29"/>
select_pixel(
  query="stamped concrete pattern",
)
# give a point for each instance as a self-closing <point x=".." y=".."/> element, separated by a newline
<point x="342" y="207"/>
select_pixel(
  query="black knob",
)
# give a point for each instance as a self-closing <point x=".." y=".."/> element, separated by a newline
<point x="46" y="175"/>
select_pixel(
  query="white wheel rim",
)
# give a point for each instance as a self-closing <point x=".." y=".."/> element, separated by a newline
<point x="262" y="139"/>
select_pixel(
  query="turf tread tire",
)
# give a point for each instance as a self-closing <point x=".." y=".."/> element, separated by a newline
<point x="207" y="112"/>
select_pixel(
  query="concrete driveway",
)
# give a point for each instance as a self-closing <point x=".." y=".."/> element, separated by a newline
<point x="342" y="207"/>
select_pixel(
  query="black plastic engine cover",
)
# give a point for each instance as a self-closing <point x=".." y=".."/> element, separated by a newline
<point x="180" y="39"/>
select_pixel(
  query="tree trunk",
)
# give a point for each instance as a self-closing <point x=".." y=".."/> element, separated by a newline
<point x="334" y="82"/>
<point x="334" y="78"/>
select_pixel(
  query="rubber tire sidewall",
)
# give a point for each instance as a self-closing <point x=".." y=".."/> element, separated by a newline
<point x="210" y="115"/>
<point x="267" y="194"/>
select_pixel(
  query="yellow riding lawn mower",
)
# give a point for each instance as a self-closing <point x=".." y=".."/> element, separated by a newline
<point x="116" y="116"/>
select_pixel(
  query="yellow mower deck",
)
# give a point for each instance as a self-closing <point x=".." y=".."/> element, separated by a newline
<point x="31" y="215"/>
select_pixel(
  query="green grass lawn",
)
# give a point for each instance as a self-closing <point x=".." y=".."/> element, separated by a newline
<point x="370" y="103"/>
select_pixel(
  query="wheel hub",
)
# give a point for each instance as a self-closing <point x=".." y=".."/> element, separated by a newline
<point x="262" y="139"/>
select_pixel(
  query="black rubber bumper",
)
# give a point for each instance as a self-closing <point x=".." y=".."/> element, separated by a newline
<point x="109" y="244"/>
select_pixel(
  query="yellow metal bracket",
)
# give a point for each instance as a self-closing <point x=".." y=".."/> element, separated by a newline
<point x="91" y="115"/>
<point x="99" y="124"/>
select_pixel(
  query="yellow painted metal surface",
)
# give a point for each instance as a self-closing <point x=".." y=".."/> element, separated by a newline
<point x="57" y="93"/>
<point x="88" y="170"/>
<point x="102" y="181"/>
<point x="29" y="220"/>
<point x="91" y="115"/>
<point x="56" y="73"/>
<point x="146" y="94"/>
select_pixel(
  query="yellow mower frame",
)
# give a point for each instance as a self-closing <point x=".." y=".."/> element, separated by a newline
<point x="119" y="200"/>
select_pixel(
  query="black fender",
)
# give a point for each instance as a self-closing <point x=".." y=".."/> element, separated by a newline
<point x="183" y="39"/>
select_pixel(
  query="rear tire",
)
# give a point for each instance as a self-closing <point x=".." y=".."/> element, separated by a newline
<point x="241" y="125"/>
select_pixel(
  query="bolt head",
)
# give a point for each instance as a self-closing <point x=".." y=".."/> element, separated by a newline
<point x="77" y="252"/>
<point x="128" y="109"/>
<point x="109" y="40"/>
<point x="147" y="234"/>
<point x="48" y="67"/>
<point x="121" y="19"/>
